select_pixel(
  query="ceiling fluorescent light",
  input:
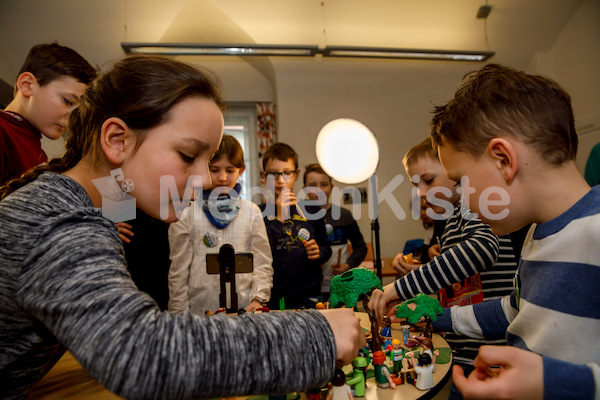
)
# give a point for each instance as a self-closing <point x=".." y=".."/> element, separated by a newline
<point x="174" y="49"/>
<point x="188" y="49"/>
<point x="343" y="51"/>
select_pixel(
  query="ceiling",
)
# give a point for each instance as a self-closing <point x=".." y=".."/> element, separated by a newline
<point x="515" y="29"/>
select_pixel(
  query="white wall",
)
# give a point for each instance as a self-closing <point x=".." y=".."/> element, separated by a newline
<point x="574" y="62"/>
<point x="398" y="110"/>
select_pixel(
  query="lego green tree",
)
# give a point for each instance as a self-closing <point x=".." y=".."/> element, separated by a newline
<point x="420" y="306"/>
<point x="353" y="286"/>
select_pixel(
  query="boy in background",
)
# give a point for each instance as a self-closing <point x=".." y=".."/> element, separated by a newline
<point x="340" y="225"/>
<point x="513" y="136"/>
<point x="47" y="89"/>
<point x="298" y="239"/>
<point x="297" y="236"/>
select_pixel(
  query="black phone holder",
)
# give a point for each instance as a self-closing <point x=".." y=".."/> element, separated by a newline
<point x="227" y="274"/>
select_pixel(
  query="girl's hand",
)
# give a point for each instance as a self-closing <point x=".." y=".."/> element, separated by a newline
<point x="312" y="249"/>
<point x="125" y="231"/>
<point x="520" y="375"/>
<point x="349" y="336"/>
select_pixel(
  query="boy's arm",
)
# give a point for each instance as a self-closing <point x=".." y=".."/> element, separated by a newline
<point x="487" y="320"/>
<point x="527" y="375"/>
<point x="477" y="251"/>
<point x="359" y="247"/>
<point x="565" y="380"/>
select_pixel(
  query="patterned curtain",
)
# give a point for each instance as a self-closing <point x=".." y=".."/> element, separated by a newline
<point x="266" y="128"/>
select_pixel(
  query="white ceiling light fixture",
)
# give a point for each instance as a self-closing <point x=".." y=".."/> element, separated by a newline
<point x="190" y="49"/>
<point x="202" y="49"/>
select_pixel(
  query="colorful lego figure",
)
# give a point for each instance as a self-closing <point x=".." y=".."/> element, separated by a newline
<point x="424" y="369"/>
<point x="383" y="377"/>
<point x="386" y="332"/>
<point x="358" y="380"/>
<point x="405" y="333"/>
<point x="397" y="355"/>
<point x="339" y="388"/>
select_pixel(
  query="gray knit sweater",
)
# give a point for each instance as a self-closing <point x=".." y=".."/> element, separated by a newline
<point x="64" y="285"/>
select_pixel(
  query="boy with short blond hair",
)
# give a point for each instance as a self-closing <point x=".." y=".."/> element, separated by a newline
<point x="47" y="89"/>
<point x="513" y="136"/>
<point x="474" y="266"/>
<point x="297" y="236"/>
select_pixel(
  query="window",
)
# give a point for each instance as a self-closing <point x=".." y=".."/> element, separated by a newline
<point x="240" y="122"/>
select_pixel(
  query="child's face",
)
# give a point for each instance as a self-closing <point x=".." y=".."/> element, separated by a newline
<point x="50" y="105"/>
<point x="482" y="176"/>
<point x="274" y="165"/>
<point x="320" y="181"/>
<point x="224" y="173"/>
<point x="431" y="175"/>
<point x="178" y="148"/>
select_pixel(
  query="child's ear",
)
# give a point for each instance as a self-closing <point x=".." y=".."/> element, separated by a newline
<point x="504" y="155"/>
<point x="25" y="83"/>
<point x="116" y="140"/>
<point x="297" y="175"/>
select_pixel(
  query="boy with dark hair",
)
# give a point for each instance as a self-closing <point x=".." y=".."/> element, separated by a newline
<point x="510" y="138"/>
<point x="340" y="225"/>
<point x="47" y="89"/>
<point x="297" y="236"/>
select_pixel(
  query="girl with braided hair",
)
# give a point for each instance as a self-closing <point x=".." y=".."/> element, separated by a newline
<point x="64" y="283"/>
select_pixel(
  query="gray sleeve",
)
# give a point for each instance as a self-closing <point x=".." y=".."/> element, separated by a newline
<point x="77" y="286"/>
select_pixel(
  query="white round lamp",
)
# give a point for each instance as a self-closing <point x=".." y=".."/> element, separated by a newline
<point x="347" y="150"/>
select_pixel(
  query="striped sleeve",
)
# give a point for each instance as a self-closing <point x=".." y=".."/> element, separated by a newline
<point x="473" y="248"/>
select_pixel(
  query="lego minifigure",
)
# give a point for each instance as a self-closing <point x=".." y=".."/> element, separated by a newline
<point x="424" y="369"/>
<point x="383" y="377"/>
<point x="397" y="355"/>
<point x="358" y="380"/>
<point x="339" y="389"/>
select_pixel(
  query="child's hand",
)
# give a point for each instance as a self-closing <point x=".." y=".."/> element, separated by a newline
<point x="349" y="336"/>
<point x="312" y="249"/>
<point x="401" y="266"/>
<point x="433" y="251"/>
<point x="284" y="201"/>
<point x="125" y="231"/>
<point x="253" y="305"/>
<point x="382" y="303"/>
<point x="520" y="376"/>
<point x="339" y="268"/>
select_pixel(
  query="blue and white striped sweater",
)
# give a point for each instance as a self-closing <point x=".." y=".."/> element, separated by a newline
<point x="556" y="310"/>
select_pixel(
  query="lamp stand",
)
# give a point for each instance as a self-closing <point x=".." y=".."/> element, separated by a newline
<point x="376" y="250"/>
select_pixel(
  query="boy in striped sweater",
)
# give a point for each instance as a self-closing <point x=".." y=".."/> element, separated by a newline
<point x="474" y="265"/>
<point x="513" y="136"/>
